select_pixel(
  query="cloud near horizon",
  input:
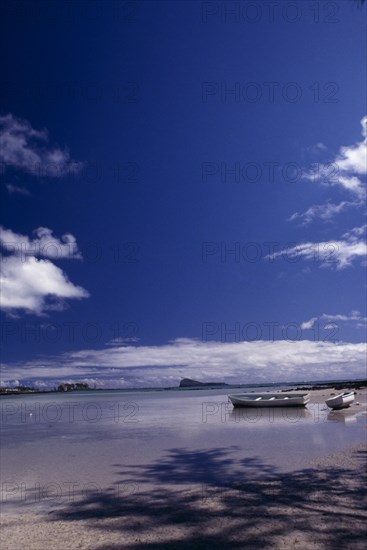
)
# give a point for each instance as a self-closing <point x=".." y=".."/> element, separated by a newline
<point x="164" y="365"/>
<point x="354" y="317"/>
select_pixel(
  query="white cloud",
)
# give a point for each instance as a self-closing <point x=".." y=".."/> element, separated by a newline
<point x="29" y="285"/>
<point x="353" y="158"/>
<point x="355" y="232"/>
<point x="165" y="365"/>
<point x="324" y="212"/>
<point x="350" y="160"/>
<point x="352" y="184"/>
<point x="34" y="286"/>
<point x="122" y="341"/>
<point x="344" y="170"/>
<point x="320" y="146"/>
<point x="26" y="149"/>
<point x="308" y="324"/>
<point x="339" y="253"/>
<point x="44" y="244"/>
<point x="16" y="190"/>
<point x="354" y="317"/>
<point x="316" y="149"/>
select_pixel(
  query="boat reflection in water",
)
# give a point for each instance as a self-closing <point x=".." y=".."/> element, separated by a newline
<point x="345" y="417"/>
<point x="266" y="415"/>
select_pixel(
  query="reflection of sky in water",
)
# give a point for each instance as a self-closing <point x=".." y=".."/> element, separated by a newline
<point x="81" y="436"/>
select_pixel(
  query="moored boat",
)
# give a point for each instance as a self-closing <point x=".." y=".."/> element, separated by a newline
<point x="341" y="401"/>
<point x="270" y="399"/>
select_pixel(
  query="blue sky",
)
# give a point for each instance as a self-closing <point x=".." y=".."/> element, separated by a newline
<point x="184" y="188"/>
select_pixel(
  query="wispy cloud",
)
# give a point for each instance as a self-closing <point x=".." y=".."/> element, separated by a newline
<point x="16" y="190"/>
<point x="34" y="286"/>
<point x="28" y="150"/>
<point x="44" y="244"/>
<point x="324" y="212"/>
<point x="354" y="317"/>
<point x="356" y="232"/>
<point x="165" y="365"/>
<point x="122" y="341"/>
<point x="345" y="170"/>
<point x="320" y="146"/>
<point x="339" y="253"/>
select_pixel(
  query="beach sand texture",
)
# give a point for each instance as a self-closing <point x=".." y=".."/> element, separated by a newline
<point x="210" y="499"/>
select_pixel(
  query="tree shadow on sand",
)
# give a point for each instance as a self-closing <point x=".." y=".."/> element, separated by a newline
<point x="214" y="499"/>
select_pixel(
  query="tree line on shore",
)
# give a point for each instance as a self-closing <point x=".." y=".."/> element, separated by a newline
<point x="77" y="386"/>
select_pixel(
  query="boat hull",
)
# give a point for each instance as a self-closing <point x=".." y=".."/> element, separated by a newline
<point x="270" y="400"/>
<point x="341" y="401"/>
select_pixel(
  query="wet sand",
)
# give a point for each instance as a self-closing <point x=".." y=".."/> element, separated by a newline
<point x="210" y="499"/>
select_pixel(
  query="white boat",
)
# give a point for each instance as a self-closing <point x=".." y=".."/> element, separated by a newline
<point x="270" y="399"/>
<point x="341" y="401"/>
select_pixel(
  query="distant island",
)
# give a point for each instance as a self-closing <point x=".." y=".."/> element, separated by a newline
<point x="189" y="383"/>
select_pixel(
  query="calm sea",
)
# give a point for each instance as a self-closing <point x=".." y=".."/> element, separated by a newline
<point x="57" y="447"/>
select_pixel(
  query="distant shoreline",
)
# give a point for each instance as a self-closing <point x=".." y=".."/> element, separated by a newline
<point x="293" y="386"/>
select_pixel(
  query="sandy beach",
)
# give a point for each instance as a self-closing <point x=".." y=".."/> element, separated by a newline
<point x="216" y="497"/>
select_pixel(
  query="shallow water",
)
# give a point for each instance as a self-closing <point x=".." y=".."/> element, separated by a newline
<point x="55" y="447"/>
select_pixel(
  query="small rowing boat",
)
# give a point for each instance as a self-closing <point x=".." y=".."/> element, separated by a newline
<point x="270" y="399"/>
<point x="341" y="401"/>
